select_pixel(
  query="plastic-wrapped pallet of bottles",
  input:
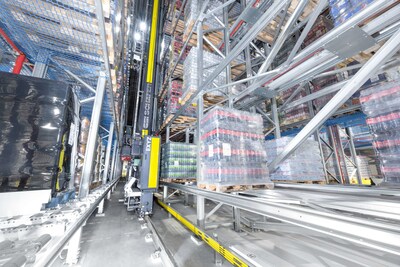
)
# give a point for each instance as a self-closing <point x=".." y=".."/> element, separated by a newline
<point x="321" y="83"/>
<point x="192" y="10"/>
<point x="174" y="96"/>
<point x="190" y="72"/>
<point x="232" y="150"/>
<point x="305" y="164"/>
<point x="342" y="10"/>
<point x="321" y="26"/>
<point x="178" y="161"/>
<point x="298" y="113"/>
<point x="381" y="104"/>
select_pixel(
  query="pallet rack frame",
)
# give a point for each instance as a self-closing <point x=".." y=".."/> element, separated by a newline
<point x="301" y="67"/>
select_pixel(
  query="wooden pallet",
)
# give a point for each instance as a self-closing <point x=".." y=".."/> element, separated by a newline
<point x="299" y="182"/>
<point x="179" y="123"/>
<point x="178" y="72"/>
<point x="268" y="33"/>
<point x="234" y="188"/>
<point x="178" y="180"/>
<point x="215" y="37"/>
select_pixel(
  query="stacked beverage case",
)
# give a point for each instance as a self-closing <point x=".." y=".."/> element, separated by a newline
<point x="381" y="104"/>
<point x="192" y="11"/>
<point x="191" y="68"/>
<point x="231" y="148"/>
<point x="305" y="164"/>
<point x="178" y="161"/>
<point x="343" y="10"/>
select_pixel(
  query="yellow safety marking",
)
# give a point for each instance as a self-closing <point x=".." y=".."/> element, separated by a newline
<point x="145" y="132"/>
<point x="60" y="162"/>
<point x="154" y="154"/>
<point x="152" y="48"/>
<point x="229" y="256"/>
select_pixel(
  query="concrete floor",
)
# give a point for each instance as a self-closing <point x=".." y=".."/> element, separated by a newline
<point x="115" y="239"/>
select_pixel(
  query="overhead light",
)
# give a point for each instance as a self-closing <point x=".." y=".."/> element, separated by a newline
<point x="142" y="26"/>
<point x="137" y="36"/>
<point x="56" y="111"/>
<point x="162" y="45"/>
<point x="49" y="126"/>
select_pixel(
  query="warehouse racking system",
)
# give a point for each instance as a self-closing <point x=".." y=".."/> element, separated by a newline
<point x="268" y="111"/>
<point x="248" y="43"/>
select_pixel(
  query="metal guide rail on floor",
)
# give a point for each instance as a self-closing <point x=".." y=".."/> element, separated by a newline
<point x="227" y="254"/>
<point x="365" y="216"/>
<point x="39" y="238"/>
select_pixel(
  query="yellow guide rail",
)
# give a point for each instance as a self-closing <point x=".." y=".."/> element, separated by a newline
<point x="229" y="256"/>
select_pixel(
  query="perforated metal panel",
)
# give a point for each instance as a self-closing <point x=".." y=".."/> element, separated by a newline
<point x="67" y="31"/>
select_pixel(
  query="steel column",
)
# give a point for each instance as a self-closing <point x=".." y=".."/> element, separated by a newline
<point x="103" y="37"/>
<point x="93" y="131"/>
<point x="370" y="68"/>
<point x="354" y="155"/>
<point x="108" y="153"/>
<point x="114" y="159"/>
<point x="275" y="117"/>
<point x="74" y="149"/>
<point x="200" y="205"/>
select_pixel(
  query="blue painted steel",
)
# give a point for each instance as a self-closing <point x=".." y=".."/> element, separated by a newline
<point x="67" y="31"/>
<point x="349" y="120"/>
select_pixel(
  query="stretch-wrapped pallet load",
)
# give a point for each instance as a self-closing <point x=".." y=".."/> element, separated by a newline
<point x="305" y="164"/>
<point x="321" y="83"/>
<point x="232" y="149"/>
<point x="381" y="104"/>
<point x="298" y="113"/>
<point x="178" y="161"/>
<point x="192" y="11"/>
<point x="191" y="67"/>
<point x="176" y="49"/>
<point x="343" y="10"/>
<point x="321" y="26"/>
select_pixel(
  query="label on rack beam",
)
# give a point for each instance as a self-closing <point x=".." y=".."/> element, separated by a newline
<point x="176" y="163"/>
<point x="71" y="137"/>
<point x="210" y="151"/>
<point x="226" y="149"/>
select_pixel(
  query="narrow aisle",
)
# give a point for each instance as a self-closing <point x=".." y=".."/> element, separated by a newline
<point x="115" y="239"/>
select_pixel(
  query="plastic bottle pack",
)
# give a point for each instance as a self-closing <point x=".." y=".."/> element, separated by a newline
<point x="381" y="104"/>
<point x="231" y="148"/>
<point x="305" y="164"/>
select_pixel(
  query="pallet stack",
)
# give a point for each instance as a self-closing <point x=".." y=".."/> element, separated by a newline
<point x="304" y="165"/>
<point x="382" y="106"/>
<point x="298" y="113"/>
<point x="190" y="74"/>
<point x="178" y="162"/>
<point x="232" y="150"/>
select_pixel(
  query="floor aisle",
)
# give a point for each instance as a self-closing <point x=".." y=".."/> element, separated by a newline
<point x="115" y="239"/>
